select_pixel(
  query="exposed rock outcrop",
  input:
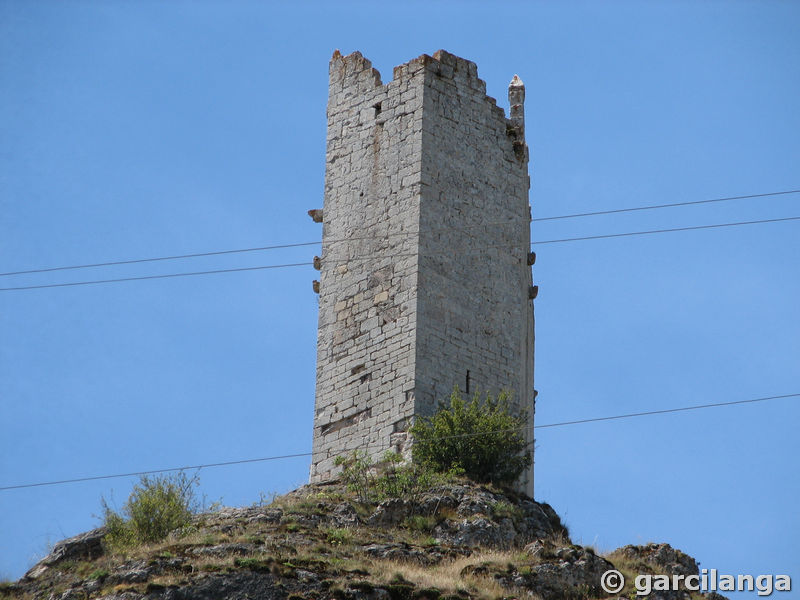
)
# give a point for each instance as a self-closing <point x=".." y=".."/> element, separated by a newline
<point x="454" y="541"/>
<point x="85" y="546"/>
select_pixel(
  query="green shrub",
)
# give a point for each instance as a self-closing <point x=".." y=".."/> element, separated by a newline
<point x="420" y="523"/>
<point x="156" y="506"/>
<point x="503" y="510"/>
<point x="389" y="478"/>
<point x="485" y="439"/>
<point x="399" y="479"/>
<point x="337" y="536"/>
<point x="98" y="574"/>
<point x="357" y="473"/>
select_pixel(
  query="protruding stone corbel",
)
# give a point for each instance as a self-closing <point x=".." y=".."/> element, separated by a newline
<point x="316" y="215"/>
<point x="531" y="258"/>
<point x="315" y="286"/>
<point x="317" y="263"/>
<point x="533" y="291"/>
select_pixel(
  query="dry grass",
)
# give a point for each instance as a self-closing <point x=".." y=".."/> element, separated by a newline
<point x="5" y="591"/>
<point x="170" y="580"/>
<point x="335" y="552"/>
<point x="146" y="551"/>
<point x="629" y="568"/>
<point x="560" y="540"/>
<point x="446" y="576"/>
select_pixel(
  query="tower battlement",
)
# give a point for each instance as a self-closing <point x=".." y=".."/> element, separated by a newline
<point x="425" y="280"/>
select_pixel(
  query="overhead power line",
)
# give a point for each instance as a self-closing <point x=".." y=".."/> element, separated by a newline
<point x="245" y="250"/>
<point x="693" y="228"/>
<point x="158" y="258"/>
<point x="658" y="206"/>
<point x="165" y="276"/>
<point x="300" y="244"/>
<point x="665" y="411"/>
<point x="153" y="471"/>
<point x="304" y="264"/>
<point x="303" y="454"/>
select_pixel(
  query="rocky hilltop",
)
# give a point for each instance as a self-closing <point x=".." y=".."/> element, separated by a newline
<point x="459" y="540"/>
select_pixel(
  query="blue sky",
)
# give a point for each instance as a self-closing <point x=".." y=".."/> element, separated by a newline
<point x="139" y="129"/>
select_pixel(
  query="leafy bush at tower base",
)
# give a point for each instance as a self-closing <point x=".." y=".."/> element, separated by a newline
<point x="485" y="439"/>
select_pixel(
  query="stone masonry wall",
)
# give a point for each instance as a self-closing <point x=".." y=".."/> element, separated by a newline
<point x="368" y="279"/>
<point x="474" y="315"/>
<point x="424" y="274"/>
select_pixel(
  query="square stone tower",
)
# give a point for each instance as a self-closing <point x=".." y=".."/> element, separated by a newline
<point x="425" y="278"/>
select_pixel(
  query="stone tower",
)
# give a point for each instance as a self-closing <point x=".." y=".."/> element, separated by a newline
<point x="425" y="278"/>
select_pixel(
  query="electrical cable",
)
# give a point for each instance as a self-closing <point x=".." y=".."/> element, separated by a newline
<point x="693" y="228"/>
<point x="299" y="244"/>
<point x="302" y="454"/>
<point x="657" y="206"/>
<point x="303" y="264"/>
<point x="165" y="276"/>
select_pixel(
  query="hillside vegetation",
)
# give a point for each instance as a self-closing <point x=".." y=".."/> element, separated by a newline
<point x="456" y="540"/>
